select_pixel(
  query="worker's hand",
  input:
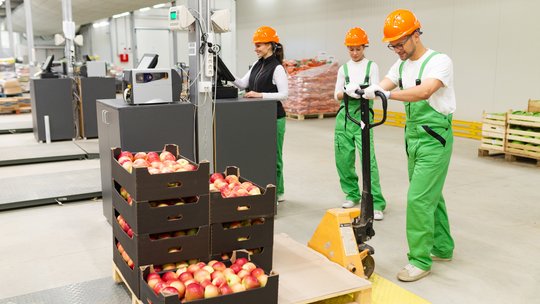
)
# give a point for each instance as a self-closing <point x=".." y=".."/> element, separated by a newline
<point x="252" y="94"/>
<point x="369" y="92"/>
<point x="350" y="90"/>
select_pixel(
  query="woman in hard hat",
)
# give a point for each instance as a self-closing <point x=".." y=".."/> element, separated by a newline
<point x="425" y="81"/>
<point x="357" y="71"/>
<point x="268" y="79"/>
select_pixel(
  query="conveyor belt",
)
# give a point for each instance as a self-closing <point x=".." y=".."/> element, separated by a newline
<point x="56" y="151"/>
<point x="16" y="127"/>
<point x="32" y="190"/>
<point x="91" y="147"/>
<point x="103" y="291"/>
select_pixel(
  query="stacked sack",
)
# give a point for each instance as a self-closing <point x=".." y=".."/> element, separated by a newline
<point x="311" y="87"/>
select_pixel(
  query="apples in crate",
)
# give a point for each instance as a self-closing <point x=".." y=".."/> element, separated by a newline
<point x="230" y="186"/>
<point x="165" y="162"/>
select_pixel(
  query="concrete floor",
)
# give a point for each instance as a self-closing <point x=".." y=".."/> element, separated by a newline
<point x="493" y="209"/>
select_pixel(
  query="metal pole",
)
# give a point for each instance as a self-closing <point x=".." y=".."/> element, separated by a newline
<point x="133" y="39"/>
<point x="30" y="37"/>
<point x="1" y="47"/>
<point x="10" y="28"/>
<point x="69" y="35"/>
<point x="111" y="39"/>
<point x="90" y="32"/>
<point x="175" y="43"/>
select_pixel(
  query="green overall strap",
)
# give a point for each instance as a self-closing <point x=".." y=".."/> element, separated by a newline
<point x="400" y="72"/>
<point x="347" y="80"/>
<point x="419" y="80"/>
<point x="366" y="79"/>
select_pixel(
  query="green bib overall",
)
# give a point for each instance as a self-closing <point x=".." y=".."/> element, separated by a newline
<point x="428" y="143"/>
<point x="347" y="134"/>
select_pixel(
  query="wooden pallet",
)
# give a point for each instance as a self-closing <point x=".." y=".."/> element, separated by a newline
<point x="510" y="157"/>
<point x="118" y="277"/>
<point x="314" y="115"/>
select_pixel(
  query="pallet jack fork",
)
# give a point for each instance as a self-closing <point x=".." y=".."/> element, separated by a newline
<point x="342" y="234"/>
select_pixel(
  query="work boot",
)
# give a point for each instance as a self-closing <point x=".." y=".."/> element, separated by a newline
<point x="378" y="215"/>
<point x="348" y="204"/>
<point x="436" y="258"/>
<point x="281" y="197"/>
<point x="411" y="273"/>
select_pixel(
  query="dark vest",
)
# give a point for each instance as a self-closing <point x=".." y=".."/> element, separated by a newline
<point x="260" y="79"/>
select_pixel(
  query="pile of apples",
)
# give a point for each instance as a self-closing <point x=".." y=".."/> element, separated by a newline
<point x="125" y="226"/>
<point x="171" y="266"/>
<point x="124" y="254"/>
<point x="198" y="281"/>
<point x="168" y="235"/>
<point x="171" y="202"/>
<point x="126" y="195"/>
<point x="238" y="224"/>
<point x="165" y="162"/>
<point x="230" y="186"/>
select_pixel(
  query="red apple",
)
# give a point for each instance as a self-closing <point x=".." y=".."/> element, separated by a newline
<point x="169" y="266"/>
<point x="130" y="233"/>
<point x="193" y="261"/>
<point x="251" y="282"/>
<point x="159" y="286"/>
<point x="211" y="291"/>
<point x="257" y="272"/>
<point x="191" y="199"/>
<point x="228" y="271"/>
<point x="237" y="287"/>
<point x="234" y="225"/>
<point x="169" y="275"/>
<point x="141" y="163"/>
<point x="167" y="170"/>
<point x="213" y="188"/>
<point x="153" y="275"/>
<point x="130" y="200"/>
<point x="154" y="281"/>
<point x="242" y="274"/>
<point x="157" y="268"/>
<point x="193" y="268"/>
<point x="179" y="233"/>
<point x="220" y="181"/>
<point x="153" y="170"/>
<point x="219" y="266"/>
<point x="217" y="274"/>
<point x="219" y="281"/>
<point x="183" y="161"/>
<point x="225" y="289"/>
<point x="163" y="236"/>
<point x="201" y="275"/>
<point x="123" y="193"/>
<point x="230" y="178"/>
<point x="201" y="264"/>
<point x="190" y="167"/>
<point x="130" y="263"/>
<point x="258" y="221"/>
<point x="180" y="270"/>
<point x="186" y="283"/>
<point x="124" y="159"/>
<point x="223" y="187"/>
<point x="120" y="248"/>
<point x="126" y="154"/>
<point x="262" y="279"/>
<point x="242" y="192"/>
<point x="127" y="165"/>
<point x="170" y="290"/>
<point x="254" y="191"/>
<point x="194" y="291"/>
<point x="232" y="279"/>
<point x="141" y="155"/>
<point x="225" y="256"/>
<point x="215" y="176"/>
<point x="236" y="268"/>
<point x="205" y="283"/>
<point x="179" y="286"/>
<point x="185" y="276"/>
<point x="156" y="164"/>
<point x="182" y="264"/>
<point x="209" y="269"/>
<point x="152" y="156"/>
<point x="212" y="262"/>
<point x="249" y="266"/>
<point x="166" y="155"/>
<point x="241" y="261"/>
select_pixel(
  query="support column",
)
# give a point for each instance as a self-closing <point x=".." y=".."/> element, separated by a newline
<point x="111" y="39"/>
<point x="30" y="37"/>
<point x="69" y="34"/>
<point x="175" y="42"/>
<point x="10" y="28"/>
<point x="133" y="39"/>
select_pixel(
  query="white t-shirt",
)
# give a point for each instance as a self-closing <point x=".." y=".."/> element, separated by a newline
<point x="357" y="74"/>
<point x="279" y="79"/>
<point x="439" y="67"/>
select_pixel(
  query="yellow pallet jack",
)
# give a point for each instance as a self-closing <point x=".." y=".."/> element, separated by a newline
<point x="343" y="233"/>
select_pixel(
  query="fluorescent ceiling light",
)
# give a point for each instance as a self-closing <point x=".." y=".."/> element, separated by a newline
<point x="159" y="5"/>
<point x="144" y="9"/>
<point x="104" y="23"/>
<point x="121" y="15"/>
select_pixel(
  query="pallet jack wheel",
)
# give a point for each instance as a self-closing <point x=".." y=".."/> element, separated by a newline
<point x="369" y="266"/>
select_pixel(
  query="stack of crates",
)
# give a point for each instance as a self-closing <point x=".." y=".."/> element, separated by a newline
<point x="493" y="131"/>
<point x="257" y="239"/>
<point x="523" y="131"/>
<point x="153" y="228"/>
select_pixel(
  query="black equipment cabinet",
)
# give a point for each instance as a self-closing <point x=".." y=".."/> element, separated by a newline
<point x="246" y="132"/>
<point x="92" y="89"/>
<point x="137" y="128"/>
<point x="52" y="97"/>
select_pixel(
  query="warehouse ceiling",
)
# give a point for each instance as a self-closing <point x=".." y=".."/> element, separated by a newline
<point x="47" y="14"/>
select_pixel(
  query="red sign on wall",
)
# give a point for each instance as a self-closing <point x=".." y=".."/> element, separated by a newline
<point x="124" y="57"/>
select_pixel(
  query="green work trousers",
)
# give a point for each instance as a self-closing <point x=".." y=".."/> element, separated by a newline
<point x="280" y="137"/>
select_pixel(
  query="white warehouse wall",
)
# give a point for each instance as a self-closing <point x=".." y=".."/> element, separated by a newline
<point x="491" y="42"/>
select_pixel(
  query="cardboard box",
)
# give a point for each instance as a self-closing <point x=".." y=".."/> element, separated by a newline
<point x="262" y="295"/>
<point x="131" y="276"/>
<point x="224" y="209"/>
<point x="12" y="87"/>
<point x="144" y="219"/>
<point x="263" y="259"/>
<point x="9" y="104"/>
<point x="144" y="251"/>
<point x="143" y="186"/>
<point x="534" y="106"/>
<point x="224" y="241"/>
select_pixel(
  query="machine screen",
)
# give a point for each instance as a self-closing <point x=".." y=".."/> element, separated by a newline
<point x="173" y="15"/>
<point x="149" y="77"/>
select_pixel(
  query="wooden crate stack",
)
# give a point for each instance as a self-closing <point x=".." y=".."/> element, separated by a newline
<point x="523" y="132"/>
<point x="493" y="131"/>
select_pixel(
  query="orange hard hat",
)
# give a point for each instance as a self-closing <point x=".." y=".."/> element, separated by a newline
<point x="398" y="24"/>
<point x="356" y="36"/>
<point x="265" y="34"/>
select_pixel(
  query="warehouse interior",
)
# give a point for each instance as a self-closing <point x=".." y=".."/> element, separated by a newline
<point x="60" y="251"/>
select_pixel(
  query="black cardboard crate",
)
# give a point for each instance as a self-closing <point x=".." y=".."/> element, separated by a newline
<point x="223" y="241"/>
<point x="264" y="259"/>
<point x="144" y="251"/>
<point x="131" y="276"/>
<point x="262" y="295"/>
<point x="224" y="209"/>
<point x="144" y="219"/>
<point x="143" y="186"/>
